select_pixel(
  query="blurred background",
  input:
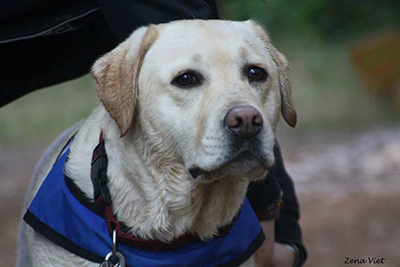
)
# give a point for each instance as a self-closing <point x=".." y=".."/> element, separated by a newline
<point x="344" y="154"/>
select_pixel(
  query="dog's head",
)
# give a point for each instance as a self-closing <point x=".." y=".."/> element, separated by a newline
<point x="212" y="89"/>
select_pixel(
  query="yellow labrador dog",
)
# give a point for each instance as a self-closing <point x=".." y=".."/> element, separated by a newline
<point x="187" y="119"/>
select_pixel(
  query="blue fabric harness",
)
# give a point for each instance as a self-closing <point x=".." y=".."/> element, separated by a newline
<point x="56" y="213"/>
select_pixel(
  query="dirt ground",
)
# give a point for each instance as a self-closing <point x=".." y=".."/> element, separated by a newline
<point x="348" y="186"/>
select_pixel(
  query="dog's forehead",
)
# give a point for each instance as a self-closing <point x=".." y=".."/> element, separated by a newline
<point x="198" y="36"/>
<point x="205" y="28"/>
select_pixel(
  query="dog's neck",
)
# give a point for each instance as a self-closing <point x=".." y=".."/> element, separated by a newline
<point x="152" y="192"/>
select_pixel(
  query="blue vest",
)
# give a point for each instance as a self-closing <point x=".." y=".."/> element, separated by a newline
<point x="57" y="213"/>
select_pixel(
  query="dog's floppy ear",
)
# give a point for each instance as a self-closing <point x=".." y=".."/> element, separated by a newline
<point x="287" y="108"/>
<point x="116" y="76"/>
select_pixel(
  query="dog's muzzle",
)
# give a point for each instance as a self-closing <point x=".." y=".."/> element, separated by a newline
<point x="243" y="125"/>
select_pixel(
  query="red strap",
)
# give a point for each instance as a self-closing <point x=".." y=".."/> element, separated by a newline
<point x="131" y="240"/>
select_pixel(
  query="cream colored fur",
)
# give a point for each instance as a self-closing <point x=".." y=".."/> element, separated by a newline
<point x="155" y="132"/>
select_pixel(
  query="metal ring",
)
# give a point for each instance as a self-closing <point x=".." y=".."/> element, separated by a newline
<point x="114" y="248"/>
<point x="109" y="256"/>
<point x="121" y="259"/>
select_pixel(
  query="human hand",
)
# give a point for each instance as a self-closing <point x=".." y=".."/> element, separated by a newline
<point x="284" y="256"/>
<point x="271" y="253"/>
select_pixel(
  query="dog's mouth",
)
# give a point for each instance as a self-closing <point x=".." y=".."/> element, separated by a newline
<point x="197" y="171"/>
<point x="240" y="161"/>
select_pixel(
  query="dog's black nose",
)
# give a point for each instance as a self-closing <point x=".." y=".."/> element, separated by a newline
<point x="244" y="121"/>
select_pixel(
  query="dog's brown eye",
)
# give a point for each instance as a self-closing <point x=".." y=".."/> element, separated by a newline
<point x="186" y="80"/>
<point x="257" y="74"/>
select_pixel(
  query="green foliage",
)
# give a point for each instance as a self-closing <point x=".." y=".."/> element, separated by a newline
<point x="328" y="20"/>
<point x="46" y="113"/>
<point x="344" y="19"/>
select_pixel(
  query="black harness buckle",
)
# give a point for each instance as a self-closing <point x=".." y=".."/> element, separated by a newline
<point x="98" y="174"/>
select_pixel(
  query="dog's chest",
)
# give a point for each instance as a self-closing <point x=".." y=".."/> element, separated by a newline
<point x="58" y="213"/>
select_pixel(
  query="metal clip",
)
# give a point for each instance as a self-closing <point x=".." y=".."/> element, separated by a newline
<point x="114" y="258"/>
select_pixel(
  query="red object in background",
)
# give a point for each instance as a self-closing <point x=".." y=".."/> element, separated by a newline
<point x="378" y="60"/>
